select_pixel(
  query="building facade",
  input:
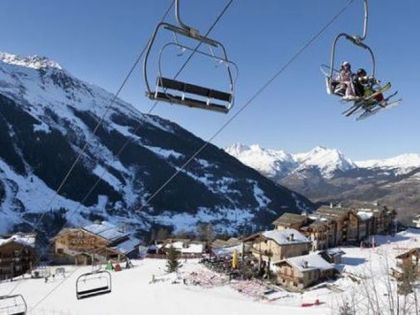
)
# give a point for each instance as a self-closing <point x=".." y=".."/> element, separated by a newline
<point x="273" y="246"/>
<point x="95" y="243"/>
<point x="17" y="255"/>
<point x="301" y="272"/>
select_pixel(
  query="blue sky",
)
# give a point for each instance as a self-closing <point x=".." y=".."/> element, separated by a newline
<point x="98" y="40"/>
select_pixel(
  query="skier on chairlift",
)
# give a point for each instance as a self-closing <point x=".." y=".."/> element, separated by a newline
<point x="344" y="80"/>
<point x="363" y="86"/>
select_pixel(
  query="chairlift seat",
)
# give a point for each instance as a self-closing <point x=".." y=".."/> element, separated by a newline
<point x="93" y="292"/>
<point x="175" y="85"/>
<point x="18" y="307"/>
<point x="102" y="288"/>
<point x="160" y="96"/>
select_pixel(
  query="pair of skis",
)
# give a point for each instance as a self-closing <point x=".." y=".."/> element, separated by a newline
<point x="370" y="105"/>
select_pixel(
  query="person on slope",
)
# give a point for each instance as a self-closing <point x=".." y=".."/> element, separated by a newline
<point x="345" y="86"/>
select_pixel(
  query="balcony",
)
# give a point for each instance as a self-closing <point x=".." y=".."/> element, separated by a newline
<point x="287" y="276"/>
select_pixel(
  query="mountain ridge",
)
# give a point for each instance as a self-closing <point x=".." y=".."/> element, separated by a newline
<point x="325" y="175"/>
<point x="47" y="116"/>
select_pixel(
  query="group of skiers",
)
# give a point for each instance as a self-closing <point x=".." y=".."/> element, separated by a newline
<point x="354" y="86"/>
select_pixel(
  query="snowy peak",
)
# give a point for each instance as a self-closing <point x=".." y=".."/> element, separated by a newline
<point x="34" y="62"/>
<point x="328" y="161"/>
<point x="272" y="163"/>
<point x="237" y="148"/>
<point x="404" y="162"/>
<point x="278" y="163"/>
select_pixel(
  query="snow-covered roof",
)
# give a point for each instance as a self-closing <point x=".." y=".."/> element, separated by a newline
<point x="364" y="215"/>
<point x="309" y="262"/>
<point x="105" y="230"/>
<point x="128" y="245"/>
<point x="187" y="247"/>
<point x="335" y="251"/>
<point x="20" y="238"/>
<point x="284" y="237"/>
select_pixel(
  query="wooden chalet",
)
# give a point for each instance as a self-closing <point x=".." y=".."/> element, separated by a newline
<point x="17" y="255"/>
<point x="95" y="243"/>
<point x="291" y="221"/>
<point x="408" y="261"/>
<point x="186" y="247"/>
<point x="275" y="245"/>
<point x="301" y="272"/>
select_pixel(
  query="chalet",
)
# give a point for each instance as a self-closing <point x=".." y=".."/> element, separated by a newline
<point x="17" y="255"/>
<point x="298" y="273"/>
<point x="408" y="261"/>
<point x="276" y="245"/>
<point x="341" y="217"/>
<point x="382" y="217"/>
<point x="290" y="221"/>
<point x="94" y="243"/>
<point x="331" y="226"/>
<point x="321" y="232"/>
<point x="186" y="247"/>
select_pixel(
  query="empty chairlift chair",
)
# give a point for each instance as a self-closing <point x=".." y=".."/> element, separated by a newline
<point x="13" y="305"/>
<point x="93" y="284"/>
<point x="175" y="91"/>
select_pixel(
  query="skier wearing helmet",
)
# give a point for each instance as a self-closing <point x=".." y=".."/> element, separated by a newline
<point x="345" y="86"/>
<point x="363" y="85"/>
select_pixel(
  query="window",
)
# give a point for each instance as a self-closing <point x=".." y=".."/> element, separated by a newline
<point x="60" y="251"/>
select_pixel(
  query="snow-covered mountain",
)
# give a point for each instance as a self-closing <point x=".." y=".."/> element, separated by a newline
<point x="403" y="163"/>
<point x="324" y="174"/>
<point x="271" y="163"/>
<point x="47" y="116"/>
<point x="280" y="164"/>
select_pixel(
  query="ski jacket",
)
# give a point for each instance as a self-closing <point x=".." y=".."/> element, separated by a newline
<point x="345" y="76"/>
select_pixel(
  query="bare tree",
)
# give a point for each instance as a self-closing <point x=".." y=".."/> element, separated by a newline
<point x="379" y="293"/>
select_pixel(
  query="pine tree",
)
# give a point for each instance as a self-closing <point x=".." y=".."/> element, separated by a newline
<point x="172" y="264"/>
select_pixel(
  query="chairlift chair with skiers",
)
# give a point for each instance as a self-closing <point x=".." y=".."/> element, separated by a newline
<point x="93" y="284"/>
<point x="367" y="104"/>
<point x="174" y="91"/>
<point x="13" y="305"/>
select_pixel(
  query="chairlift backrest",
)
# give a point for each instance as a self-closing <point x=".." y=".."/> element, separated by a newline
<point x="93" y="284"/>
<point x="13" y="305"/>
<point x="175" y="91"/>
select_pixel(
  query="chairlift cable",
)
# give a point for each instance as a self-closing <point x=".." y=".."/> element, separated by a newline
<point x="98" y="125"/>
<point x="222" y="13"/>
<point x="249" y="102"/>
<point x="129" y="140"/>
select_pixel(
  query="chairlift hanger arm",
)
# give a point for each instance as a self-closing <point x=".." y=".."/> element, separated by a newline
<point x="192" y="31"/>
<point x="365" y="20"/>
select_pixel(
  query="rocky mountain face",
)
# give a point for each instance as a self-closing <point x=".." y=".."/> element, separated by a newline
<point x="47" y="116"/>
<point x="325" y="175"/>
